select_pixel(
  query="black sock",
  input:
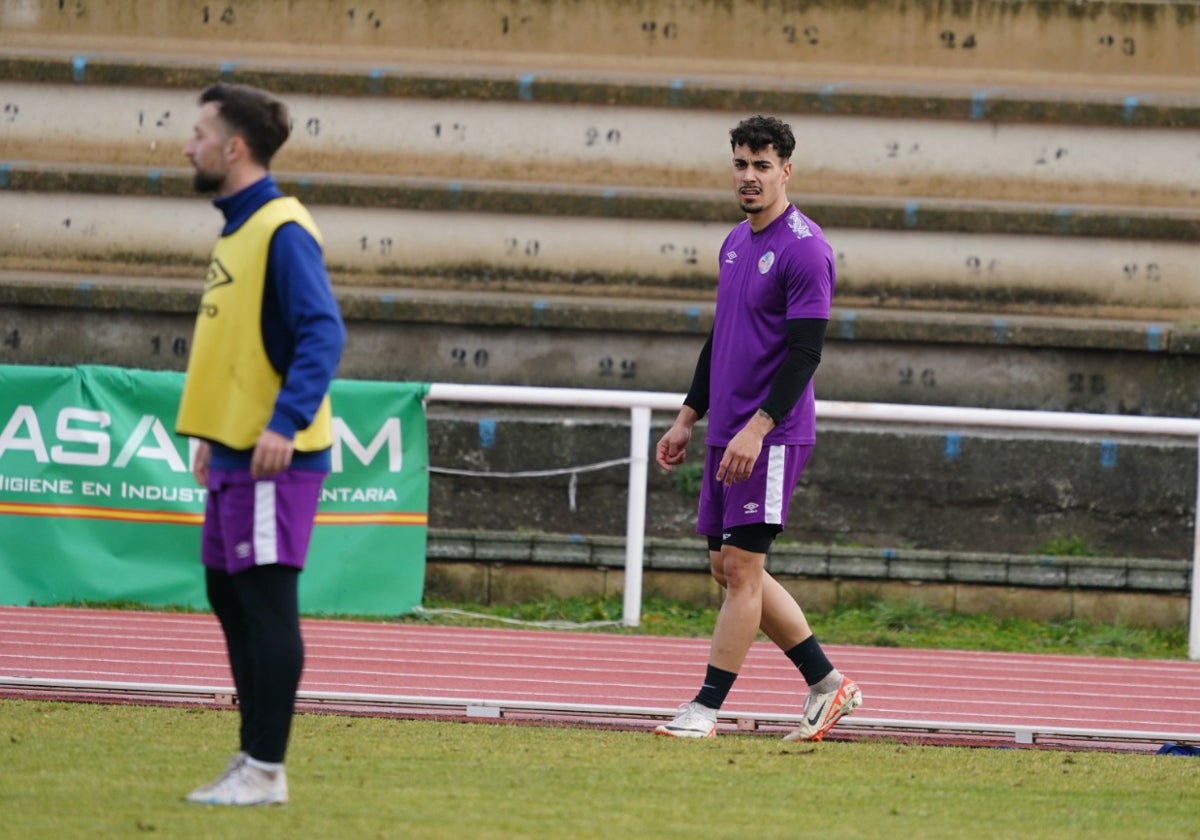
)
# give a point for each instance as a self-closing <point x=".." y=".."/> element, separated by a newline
<point x="811" y="660"/>
<point x="716" y="687"/>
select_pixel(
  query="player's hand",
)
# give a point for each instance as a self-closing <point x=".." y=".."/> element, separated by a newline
<point x="742" y="452"/>
<point x="740" y="456"/>
<point x="200" y="462"/>
<point x="272" y="455"/>
<point x="672" y="446"/>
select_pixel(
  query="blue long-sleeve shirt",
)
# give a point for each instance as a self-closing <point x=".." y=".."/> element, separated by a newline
<point x="302" y="328"/>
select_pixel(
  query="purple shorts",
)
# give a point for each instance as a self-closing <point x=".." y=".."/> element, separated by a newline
<point x="762" y="498"/>
<point x="251" y="523"/>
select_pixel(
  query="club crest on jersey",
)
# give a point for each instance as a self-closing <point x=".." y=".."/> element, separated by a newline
<point x="764" y="264"/>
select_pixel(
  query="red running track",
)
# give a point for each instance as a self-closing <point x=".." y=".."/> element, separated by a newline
<point x="1138" y="704"/>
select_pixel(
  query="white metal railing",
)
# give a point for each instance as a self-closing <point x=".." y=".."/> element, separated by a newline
<point x="641" y="403"/>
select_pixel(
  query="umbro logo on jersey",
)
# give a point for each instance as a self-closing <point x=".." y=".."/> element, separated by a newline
<point x="218" y="275"/>
<point x="730" y="256"/>
<point x="750" y="507"/>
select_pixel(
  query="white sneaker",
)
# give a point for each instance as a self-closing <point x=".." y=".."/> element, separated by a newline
<point x="693" y="721"/>
<point x="235" y="762"/>
<point x="822" y="711"/>
<point x="245" y="785"/>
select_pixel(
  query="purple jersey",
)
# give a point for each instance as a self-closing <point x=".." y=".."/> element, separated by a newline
<point x="785" y="271"/>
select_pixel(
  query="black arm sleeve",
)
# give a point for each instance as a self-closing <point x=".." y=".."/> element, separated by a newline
<point x="697" y="395"/>
<point x="806" y="337"/>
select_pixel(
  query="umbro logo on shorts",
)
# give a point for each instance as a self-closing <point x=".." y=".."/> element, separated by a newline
<point x="750" y="507"/>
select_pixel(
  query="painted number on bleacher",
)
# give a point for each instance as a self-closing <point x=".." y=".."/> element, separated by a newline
<point x="623" y="368"/>
<point x="515" y="247"/>
<point x="1082" y="383"/>
<point x="689" y="253"/>
<point x="593" y="136"/>
<point x="1127" y="45"/>
<point x="976" y="265"/>
<point x="895" y="150"/>
<point x="177" y="346"/>
<point x="508" y="24"/>
<point x="369" y="19"/>
<point x="224" y="14"/>
<point x="161" y="121"/>
<point x="667" y="30"/>
<point x="795" y="35"/>
<point x="383" y="244"/>
<point x="13" y="339"/>
<point x="953" y="41"/>
<point x="10" y="111"/>
<point x="1048" y="157"/>
<point x="462" y="356"/>
<point x="73" y="7"/>
<point x="926" y="377"/>
<point x="1149" y="271"/>
<point x="452" y="131"/>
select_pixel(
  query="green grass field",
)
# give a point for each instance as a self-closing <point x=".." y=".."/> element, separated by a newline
<point x="79" y="770"/>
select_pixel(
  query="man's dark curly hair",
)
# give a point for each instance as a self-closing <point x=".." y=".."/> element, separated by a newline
<point x="758" y="132"/>
<point x="254" y="115"/>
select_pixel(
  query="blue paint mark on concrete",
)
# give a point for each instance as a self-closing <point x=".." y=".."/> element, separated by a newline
<point x="1108" y="454"/>
<point x="1131" y="106"/>
<point x="487" y="433"/>
<point x="675" y="97"/>
<point x="846" y="325"/>
<point x="979" y="105"/>
<point x="1000" y="328"/>
<point x="1154" y="338"/>
<point x="826" y="97"/>
<point x="953" y="446"/>
<point x="525" y="87"/>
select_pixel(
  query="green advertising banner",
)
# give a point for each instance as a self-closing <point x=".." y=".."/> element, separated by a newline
<point x="98" y="503"/>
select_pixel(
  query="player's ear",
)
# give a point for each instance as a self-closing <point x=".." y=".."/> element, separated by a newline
<point x="236" y="148"/>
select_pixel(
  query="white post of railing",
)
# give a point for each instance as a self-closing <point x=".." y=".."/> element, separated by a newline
<point x="1194" y="622"/>
<point x="635" y="525"/>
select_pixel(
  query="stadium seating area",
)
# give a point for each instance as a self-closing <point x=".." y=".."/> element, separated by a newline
<point x="481" y="166"/>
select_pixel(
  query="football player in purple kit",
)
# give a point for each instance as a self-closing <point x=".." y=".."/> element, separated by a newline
<point x="754" y="380"/>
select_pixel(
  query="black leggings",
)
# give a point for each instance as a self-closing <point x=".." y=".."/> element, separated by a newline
<point x="260" y="614"/>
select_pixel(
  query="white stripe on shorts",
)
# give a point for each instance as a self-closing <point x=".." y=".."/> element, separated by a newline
<point x="773" y="503"/>
<point x="266" y="542"/>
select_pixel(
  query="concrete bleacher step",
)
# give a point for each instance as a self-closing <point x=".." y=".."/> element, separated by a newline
<point x="879" y="151"/>
<point x="551" y="252"/>
<point x="987" y="38"/>
<point x="1016" y="361"/>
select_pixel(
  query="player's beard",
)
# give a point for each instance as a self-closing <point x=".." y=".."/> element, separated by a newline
<point x="206" y="182"/>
